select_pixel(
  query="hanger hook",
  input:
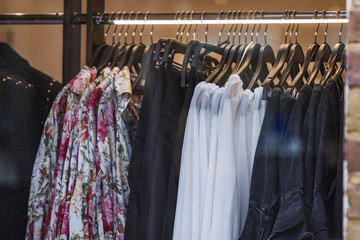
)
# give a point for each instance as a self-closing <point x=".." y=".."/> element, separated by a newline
<point x="190" y="27"/>
<point x="247" y="27"/>
<point x="143" y="26"/>
<point x="258" y="30"/>
<point x="242" y="25"/>
<point x="341" y="27"/>
<point x="108" y="28"/>
<point x="292" y="29"/>
<point x="265" y="34"/>
<point x="178" y="31"/>
<point x="185" y="18"/>
<point x="115" y="29"/>
<point x="252" y="34"/>
<point x="287" y="30"/>
<point x="151" y="33"/>
<point x="222" y="28"/>
<point x="327" y="25"/>
<point x="232" y="14"/>
<point x="101" y="18"/>
<point x="127" y="29"/>
<point x="136" y="26"/>
<point x="122" y="27"/>
<point x="236" y="26"/>
<point x="317" y="28"/>
<point x="252" y="31"/>
<point x="194" y="32"/>
<point x="207" y="26"/>
<point x="266" y="26"/>
<point x="297" y="28"/>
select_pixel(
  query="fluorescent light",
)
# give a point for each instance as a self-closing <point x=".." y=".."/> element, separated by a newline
<point x="245" y="21"/>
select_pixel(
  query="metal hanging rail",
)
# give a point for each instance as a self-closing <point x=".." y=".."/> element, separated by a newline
<point x="231" y="17"/>
<point x="25" y="18"/>
<point x="235" y="17"/>
<point x="41" y="18"/>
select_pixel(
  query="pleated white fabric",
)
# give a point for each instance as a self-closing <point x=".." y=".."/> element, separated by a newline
<point x="183" y="223"/>
<point x="225" y="216"/>
<point x="220" y="140"/>
<point x="215" y="127"/>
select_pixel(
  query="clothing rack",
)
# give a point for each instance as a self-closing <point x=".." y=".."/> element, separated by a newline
<point x="230" y="17"/>
<point x="72" y="20"/>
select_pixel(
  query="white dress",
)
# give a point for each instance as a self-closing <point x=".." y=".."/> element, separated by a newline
<point x="201" y="164"/>
<point x="183" y="223"/>
<point x="225" y="216"/>
<point x="243" y="143"/>
<point x="209" y="195"/>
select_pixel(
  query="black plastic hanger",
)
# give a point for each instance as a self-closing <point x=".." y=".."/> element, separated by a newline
<point x="280" y="61"/>
<point x="157" y="54"/>
<point x="249" y="59"/>
<point x="339" y="71"/>
<point x="109" y="50"/>
<point x="188" y="54"/>
<point x="336" y="56"/>
<point x="266" y="55"/>
<point x="226" y="72"/>
<point x="311" y="53"/>
<point x="137" y="52"/>
<point x="295" y="58"/>
<point x="322" y="57"/>
<point x="148" y="54"/>
<point x="221" y="64"/>
<point x="232" y="57"/>
<point x="298" y="81"/>
<point x="98" y="50"/>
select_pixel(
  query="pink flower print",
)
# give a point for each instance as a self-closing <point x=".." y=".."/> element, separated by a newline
<point x="79" y="85"/>
<point x="109" y="114"/>
<point x="95" y="97"/>
<point x="107" y="216"/>
<point x="65" y="223"/>
<point x="120" y="211"/>
<point x="102" y="129"/>
<point x="93" y="73"/>
<point x="62" y="104"/>
<point x="85" y="132"/>
<point x="47" y="130"/>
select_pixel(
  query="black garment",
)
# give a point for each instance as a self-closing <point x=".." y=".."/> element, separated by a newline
<point x="264" y="182"/>
<point x="47" y="88"/>
<point x="147" y="165"/>
<point x="327" y="151"/>
<point x="291" y="220"/>
<point x="18" y="145"/>
<point x="133" y="210"/>
<point x="309" y="127"/>
<point x="173" y="182"/>
<point x="337" y="186"/>
<point x="160" y="169"/>
<point x="26" y="95"/>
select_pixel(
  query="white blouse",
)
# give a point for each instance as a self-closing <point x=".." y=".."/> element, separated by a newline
<point x="221" y="134"/>
<point x="209" y="195"/>
<point x="225" y="216"/>
<point x="183" y="223"/>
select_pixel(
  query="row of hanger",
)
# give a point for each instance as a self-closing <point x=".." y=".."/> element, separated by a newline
<point x="255" y="63"/>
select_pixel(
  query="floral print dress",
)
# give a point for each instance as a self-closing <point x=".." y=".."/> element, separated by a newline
<point x="79" y="186"/>
<point x="44" y="170"/>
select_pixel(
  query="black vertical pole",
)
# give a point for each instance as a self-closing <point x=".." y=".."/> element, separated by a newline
<point x="71" y="40"/>
<point x="94" y="32"/>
